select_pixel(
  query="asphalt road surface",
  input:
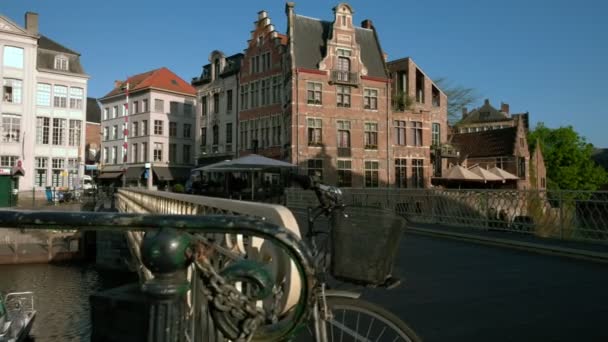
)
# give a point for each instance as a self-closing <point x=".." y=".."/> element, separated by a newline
<point x="460" y="291"/>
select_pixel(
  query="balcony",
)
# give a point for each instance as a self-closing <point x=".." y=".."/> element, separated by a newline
<point x="344" y="152"/>
<point x="344" y="77"/>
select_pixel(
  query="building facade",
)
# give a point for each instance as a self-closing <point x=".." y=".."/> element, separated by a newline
<point x="43" y="107"/>
<point x="217" y="110"/>
<point x="92" y="138"/>
<point x="159" y="124"/>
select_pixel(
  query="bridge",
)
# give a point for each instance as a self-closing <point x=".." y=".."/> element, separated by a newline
<point x="462" y="284"/>
<point x="458" y="283"/>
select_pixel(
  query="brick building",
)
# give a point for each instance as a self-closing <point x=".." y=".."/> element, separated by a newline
<point x="92" y="150"/>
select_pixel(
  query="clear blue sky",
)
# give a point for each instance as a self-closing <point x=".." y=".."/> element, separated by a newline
<point x="546" y="57"/>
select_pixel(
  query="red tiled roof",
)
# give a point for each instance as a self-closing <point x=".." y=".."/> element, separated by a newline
<point x="162" y="78"/>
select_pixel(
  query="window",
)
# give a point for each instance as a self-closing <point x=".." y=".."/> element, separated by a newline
<point x="186" y="154"/>
<point x="41" y="164"/>
<point x="521" y="167"/>
<point x="417" y="173"/>
<point x="243" y="135"/>
<point x="203" y="136"/>
<point x="115" y="155"/>
<point x="158" y="127"/>
<point x="263" y="101"/>
<point x="135" y="107"/>
<point x="106" y="133"/>
<point x="371" y="174"/>
<point x="8" y="161"/>
<point x="370" y="99"/>
<point x="216" y="68"/>
<point x="417" y="133"/>
<point x="60" y="96"/>
<point x="135" y="129"/>
<point x="43" y="94"/>
<point x="76" y="97"/>
<point x="276" y="89"/>
<point x="254" y="94"/>
<point x="72" y="172"/>
<point x="419" y="86"/>
<point x="13" y="57"/>
<point x="144" y="148"/>
<point x="276" y="130"/>
<point x="436" y="134"/>
<point x="399" y="132"/>
<point x="266" y="92"/>
<point x="106" y="113"/>
<point x="315" y="132"/>
<point x="401" y="173"/>
<point x="216" y="103"/>
<point x="343" y="134"/>
<point x="244" y="96"/>
<point x="144" y="127"/>
<point x="345" y="173"/>
<point x="158" y="152"/>
<point x="134" y="153"/>
<point x="173" y="107"/>
<point x="74" y="132"/>
<point x="106" y="155"/>
<point x="315" y="168"/>
<point x="12" y="90"/>
<point x="43" y="127"/>
<point x="343" y="69"/>
<point x="11" y="128"/>
<point x="371" y="135"/>
<point x="58" y="165"/>
<point x="187" y="109"/>
<point x="216" y="135"/>
<point x="314" y="92"/>
<point x="435" y="96"/>
<point x="229" y="133"/>
<point x="144" y="105"/>
<point x="159" y="105"/>
<point x="187" y="130"/>
<point x="172" y="153"/>
<point x="114" y="132"/>
<point x="172" y="129"/>
<point x="204" y="105"/>
<point x="268" y="61"/>
<point x="114" y="112"/>
<point x="61" y="63"/>
<point x="59" y="126"/>
<point x="228" y="100"/>
<point x="343" y="96"/>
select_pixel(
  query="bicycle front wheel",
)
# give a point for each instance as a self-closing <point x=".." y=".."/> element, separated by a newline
<point x="358" y="320"/>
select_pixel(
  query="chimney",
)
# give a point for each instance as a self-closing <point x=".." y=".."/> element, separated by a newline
<point x="385" y="56"/>
<point x="465" y="112"/>
<point x="504" y="107"/>
<point x="367" y="24"/>
<point x="289" y="8"/>
<point x="31" y="22"/>
<point x="117" y="84"/>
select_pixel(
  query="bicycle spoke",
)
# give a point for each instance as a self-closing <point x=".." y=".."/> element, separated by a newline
<point x="348" y="330"/>
<point x="342" y="331"/>
<point x="381" y="333"/>
<point x="370" y="327"/>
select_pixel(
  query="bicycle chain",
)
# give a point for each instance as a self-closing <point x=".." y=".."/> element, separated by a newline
<point x="236" y="315"/>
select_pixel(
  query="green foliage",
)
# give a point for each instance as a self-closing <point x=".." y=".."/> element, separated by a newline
<point x="567" y="159"/>
<point x="178" y="188"/>
<point x="459" y="97"/>
<point x="402" y="101"/>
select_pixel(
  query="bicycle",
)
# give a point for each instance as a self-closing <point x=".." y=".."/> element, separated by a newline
<point x="338" y="314"/>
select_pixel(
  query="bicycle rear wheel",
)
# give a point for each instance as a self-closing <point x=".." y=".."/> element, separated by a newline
<point x="359" y="320"/>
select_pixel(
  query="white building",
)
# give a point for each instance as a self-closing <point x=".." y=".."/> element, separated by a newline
<point x="217" y="90"/>
<point x="42" y="108"/>
<point x="159" y="128"/>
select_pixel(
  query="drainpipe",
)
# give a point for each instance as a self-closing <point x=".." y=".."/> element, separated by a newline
<point x="289" y="10"/>
<point x="236" y="121"/>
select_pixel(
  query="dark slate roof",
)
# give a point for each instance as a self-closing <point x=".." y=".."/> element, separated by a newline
<point x="310" y="37"/>
<point x="600" y="156"/>
<point x="485" y="113"/>
<point x="93" y="110"/>
<point x="233" y="66"/>
<point x="48" y="49"/>
<point x="492" y="143"/>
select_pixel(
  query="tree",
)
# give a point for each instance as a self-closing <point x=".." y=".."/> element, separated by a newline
<point x="459" y="97"/>
<point x="567" y="159"/>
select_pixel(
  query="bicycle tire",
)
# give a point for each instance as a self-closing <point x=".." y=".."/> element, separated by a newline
<point x="340" y="305"/>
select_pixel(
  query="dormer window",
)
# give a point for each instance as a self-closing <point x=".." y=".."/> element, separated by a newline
<point x="61" y="63"/>
<point x="216" y="68"/>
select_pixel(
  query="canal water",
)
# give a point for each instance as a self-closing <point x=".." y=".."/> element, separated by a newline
<point x="61" y="296"/>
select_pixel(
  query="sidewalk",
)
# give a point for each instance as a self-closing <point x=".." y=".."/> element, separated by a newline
<point x="575" y="249"/>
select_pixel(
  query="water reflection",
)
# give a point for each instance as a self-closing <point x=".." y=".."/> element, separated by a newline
<point x="61" y="296"/>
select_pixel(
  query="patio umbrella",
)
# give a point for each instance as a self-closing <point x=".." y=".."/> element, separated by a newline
<point x="461" y="173"/>
<point x="249" y="163"/>
<point x="485" y="174"/>
<point x="502" y="173"/>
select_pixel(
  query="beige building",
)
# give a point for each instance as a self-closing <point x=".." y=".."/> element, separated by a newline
<point x="43" y="107"/>
<point x="159" y="129"/>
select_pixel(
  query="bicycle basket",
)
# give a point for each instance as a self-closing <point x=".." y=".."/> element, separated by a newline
<point x="364" y="244"/>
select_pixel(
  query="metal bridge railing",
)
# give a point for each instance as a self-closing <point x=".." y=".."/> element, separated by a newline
<point x="567" y="215"/>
